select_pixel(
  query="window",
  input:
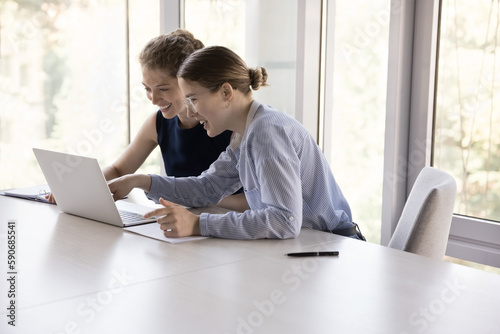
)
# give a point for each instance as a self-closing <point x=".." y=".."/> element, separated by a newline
<point x="444" y="61"/>
<point x="356" y="83"/>
<point x="64" y="80"/>
<point x="144" y="24"/>
<point x="467" y="141"/>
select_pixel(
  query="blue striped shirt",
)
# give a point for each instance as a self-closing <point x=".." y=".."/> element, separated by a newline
<point x="287" y="180"/>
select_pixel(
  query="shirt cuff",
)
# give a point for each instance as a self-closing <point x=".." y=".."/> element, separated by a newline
<point x="153" y="191"/>
<point x="204" y="224"/>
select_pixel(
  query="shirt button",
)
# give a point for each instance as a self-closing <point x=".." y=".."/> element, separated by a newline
<point x="291" y="218"/>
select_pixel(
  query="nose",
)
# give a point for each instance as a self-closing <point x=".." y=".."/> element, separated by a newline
<point x="154" y="98"/>
<point x="190" y="112"/>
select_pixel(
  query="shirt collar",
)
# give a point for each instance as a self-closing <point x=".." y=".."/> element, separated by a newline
<point x="235" y="143"/>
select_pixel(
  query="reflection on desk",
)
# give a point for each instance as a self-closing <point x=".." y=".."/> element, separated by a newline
<point x="80" y="276"/>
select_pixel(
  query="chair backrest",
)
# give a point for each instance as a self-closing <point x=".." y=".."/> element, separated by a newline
<point x="424" y="225"/>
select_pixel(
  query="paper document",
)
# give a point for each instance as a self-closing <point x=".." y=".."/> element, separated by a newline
<point x="36" y="193"/>
<point x="153" y="231"/>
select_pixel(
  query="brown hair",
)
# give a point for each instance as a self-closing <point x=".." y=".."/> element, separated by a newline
<point x="167" y="52"/>
<point x="213" y="66"/>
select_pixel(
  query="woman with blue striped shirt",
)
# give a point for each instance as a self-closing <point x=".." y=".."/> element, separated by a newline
<point x="287" y="180"/>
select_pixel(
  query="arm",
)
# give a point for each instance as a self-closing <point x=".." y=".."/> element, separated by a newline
<point x="208" y="188"/>
<point x="237" y="202"/>
<point x="276" y="206"/>
<point x="221" y="179"/>
<point x="136" y="153"/>
<point x="123" y="185"/>
<point x="275" y="198"/>
<point x="281" y="219"/>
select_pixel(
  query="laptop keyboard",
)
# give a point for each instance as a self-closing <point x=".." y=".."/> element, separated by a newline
<point x="130" y="217"/>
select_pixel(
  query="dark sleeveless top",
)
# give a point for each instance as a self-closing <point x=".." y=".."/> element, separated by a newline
<point x="188" y="152"/>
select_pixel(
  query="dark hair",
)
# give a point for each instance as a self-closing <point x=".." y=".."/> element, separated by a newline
<point x="167" y="52"/>
<point x="213" y="66"/>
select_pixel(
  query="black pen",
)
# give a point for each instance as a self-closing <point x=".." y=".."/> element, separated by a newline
<point x="314" y="254"/>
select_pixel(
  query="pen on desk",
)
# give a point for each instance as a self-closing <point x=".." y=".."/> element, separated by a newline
<point x="314" y="254"/>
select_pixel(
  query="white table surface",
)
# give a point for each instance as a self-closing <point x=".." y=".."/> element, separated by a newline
<point x="80" y="276"/>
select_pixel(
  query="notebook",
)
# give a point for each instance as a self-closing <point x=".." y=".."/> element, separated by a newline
<point x="36" y="193"/>
<point x="80" y="189"/>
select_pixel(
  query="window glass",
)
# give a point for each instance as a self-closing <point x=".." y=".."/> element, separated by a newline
<point x="355" y="123"/>
<point x="262" y="32"/>
<point x="63" y="82"/>
<point x="144" y="24"/>
<point x="467" y="111"/>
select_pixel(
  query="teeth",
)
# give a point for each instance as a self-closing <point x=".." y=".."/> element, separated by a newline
<point x="165" y="107"/>
<point x="202" y="122"/>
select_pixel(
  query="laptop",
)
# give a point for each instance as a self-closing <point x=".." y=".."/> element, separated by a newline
<point x="80" y="189"/>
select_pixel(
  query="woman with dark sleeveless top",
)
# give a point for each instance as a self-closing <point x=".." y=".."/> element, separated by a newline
<point x="186" y="148"/>
<point x="187" y="152"/>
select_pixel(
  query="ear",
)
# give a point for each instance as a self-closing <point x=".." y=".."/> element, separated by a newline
<point x="227" y="91"/>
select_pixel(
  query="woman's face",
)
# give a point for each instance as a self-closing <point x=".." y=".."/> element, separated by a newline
<point x="163" y="91"/>
<point x="205" y="106"/>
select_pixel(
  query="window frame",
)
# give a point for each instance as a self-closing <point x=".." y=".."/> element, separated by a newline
<point x="171" y="15"/>
<point x="470" y="238"/>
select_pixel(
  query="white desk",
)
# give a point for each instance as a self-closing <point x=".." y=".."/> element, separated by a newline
<point x="80" y="276"/>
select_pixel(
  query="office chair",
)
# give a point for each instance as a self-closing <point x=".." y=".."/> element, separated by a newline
<point x="424" y="225"/>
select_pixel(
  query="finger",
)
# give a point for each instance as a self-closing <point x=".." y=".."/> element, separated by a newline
<point x="168" y="234"/>
<point x="161" y="211"/>
<point x="171" y="233"/>
<point x="165" y="227"/>
<point x="112" y="189"/>
<point x="157" y="213"/>
<point x="149" y="214"/>
<point x="116" y="196"/>
<point x="166" y="203"/>
<point x="50" y="198"/>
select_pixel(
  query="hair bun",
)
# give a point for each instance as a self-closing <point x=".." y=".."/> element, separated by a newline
<point x="258" y="77"/>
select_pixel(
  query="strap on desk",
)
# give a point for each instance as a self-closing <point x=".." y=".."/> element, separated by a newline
<point x="350" y="232"/>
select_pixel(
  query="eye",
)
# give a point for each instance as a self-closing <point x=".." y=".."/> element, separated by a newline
<point x="164" y="89"/>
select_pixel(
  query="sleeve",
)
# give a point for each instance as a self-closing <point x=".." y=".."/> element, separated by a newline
<point x="219" y="180"/>
<point x="276" y="201"/>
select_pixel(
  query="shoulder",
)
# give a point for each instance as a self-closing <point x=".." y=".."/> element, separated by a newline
<point x="149" y="129"/>
<point x="273" y="117"/>
<point x="274" y="132"/>
<point x="269" y="122"/>
<point x="146" y="138"/>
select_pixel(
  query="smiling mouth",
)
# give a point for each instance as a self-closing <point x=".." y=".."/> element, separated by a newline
<point x="165" y="107"/>
<point x="202" y="122"/>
